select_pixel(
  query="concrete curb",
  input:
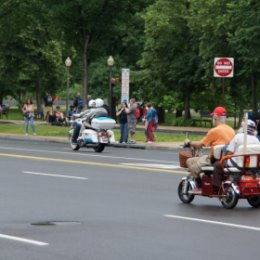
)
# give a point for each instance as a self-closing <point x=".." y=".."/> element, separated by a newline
<point x="144" y="146"/>
<point x="153" y="146"/>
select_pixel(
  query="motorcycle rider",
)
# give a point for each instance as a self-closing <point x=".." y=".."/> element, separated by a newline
<point x="220" y="134"/>
<point x="95" y="109"/>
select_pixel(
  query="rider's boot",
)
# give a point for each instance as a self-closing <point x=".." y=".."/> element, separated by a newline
<point x="197" y="190"/>
<point x="198" y="182"/>
<point x="75" y="134"/>
<point x="80" y="137"/>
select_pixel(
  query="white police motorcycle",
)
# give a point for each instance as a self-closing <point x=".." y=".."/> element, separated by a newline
<point x="97" y="137"/>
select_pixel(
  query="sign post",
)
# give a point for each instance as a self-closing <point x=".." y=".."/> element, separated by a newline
<point x="223" y="68"/>
<point x="125" y="74"/>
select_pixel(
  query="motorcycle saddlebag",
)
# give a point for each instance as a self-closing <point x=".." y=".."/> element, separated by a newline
<point x="103" y="123"/>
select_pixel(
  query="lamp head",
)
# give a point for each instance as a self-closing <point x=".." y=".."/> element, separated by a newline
<point x="110" y="61"/>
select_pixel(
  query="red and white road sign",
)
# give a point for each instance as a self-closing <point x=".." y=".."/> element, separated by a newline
<point x="224" y="67"/>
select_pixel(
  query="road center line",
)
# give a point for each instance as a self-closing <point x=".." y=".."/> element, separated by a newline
<point x="112" y="165"/>
<point x="213" y="222"/>
<point x="23" y="240"/>
<point x="55" y="175"/>
<point x="88" y="155"/>
<point x="153" y="165"/>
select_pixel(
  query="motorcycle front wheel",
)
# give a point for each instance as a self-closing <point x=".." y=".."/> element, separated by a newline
<point x="74" y="146"/>
<point x="99" y="148"/>
<point x="231" y="198"/>
<point x="185" y="197"/>
<point x="254" y="201"/>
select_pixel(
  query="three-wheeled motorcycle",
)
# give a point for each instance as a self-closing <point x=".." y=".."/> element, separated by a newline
<point x="241" y="181"/>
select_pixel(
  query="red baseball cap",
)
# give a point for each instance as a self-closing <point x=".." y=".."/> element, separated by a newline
<point x="219" y="111"/>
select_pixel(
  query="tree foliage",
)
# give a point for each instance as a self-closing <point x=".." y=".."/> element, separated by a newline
<point x="30" y="56"/>
<point x="168" y="45"/>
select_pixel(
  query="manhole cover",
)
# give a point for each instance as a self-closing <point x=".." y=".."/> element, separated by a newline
<point x="55" y="223"/>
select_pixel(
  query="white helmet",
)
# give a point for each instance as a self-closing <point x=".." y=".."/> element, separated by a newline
<point x="92" y="103"/>
<point x="251" y="127"/>
<point x="99" y="102"/>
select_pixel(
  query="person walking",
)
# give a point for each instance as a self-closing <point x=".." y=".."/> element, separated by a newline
<point x="122" y="115"/>
<point x="28" y="113"/>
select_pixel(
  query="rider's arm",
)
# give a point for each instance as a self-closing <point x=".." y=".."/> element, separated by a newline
<point x="197" y="144"/>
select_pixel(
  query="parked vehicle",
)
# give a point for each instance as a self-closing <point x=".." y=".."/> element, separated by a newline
<point x="97" y="137"/>
<point x="242" y="181"/>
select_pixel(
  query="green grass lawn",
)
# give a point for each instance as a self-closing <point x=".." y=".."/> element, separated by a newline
<point x="62" y="131"/>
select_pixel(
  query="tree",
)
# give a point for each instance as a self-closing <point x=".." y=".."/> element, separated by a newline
<point x="228" y="29"/>
<point x="30" y="58"/>
<point x="171" y="51"/>
<point x="94" y="28"/>
<point x="244" y="39"/>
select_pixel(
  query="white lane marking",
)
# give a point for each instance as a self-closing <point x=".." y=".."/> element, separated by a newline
<point x="24" y="240"/>
<point x="88" y="155"/>
<point x="214" y="222"/>
<point x="55" y="175"/>
<point x="153" y="165"/>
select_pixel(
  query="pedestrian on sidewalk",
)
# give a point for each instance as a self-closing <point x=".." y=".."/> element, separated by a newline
<point x="150" y="123"/>
<point x="145" y="122"/>
<point x="131" y="118"/>
<point x="122" y="115"/>
<point x="28" y="113"/>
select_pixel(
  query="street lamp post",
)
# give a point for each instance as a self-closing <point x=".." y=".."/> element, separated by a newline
<point x="110" y="63"/>
<point x="68" y="63"/>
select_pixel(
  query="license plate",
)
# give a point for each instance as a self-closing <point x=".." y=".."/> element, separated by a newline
<point x="104" y="140"/>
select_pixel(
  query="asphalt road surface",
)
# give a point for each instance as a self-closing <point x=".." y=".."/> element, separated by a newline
<point x="121" y="204"/>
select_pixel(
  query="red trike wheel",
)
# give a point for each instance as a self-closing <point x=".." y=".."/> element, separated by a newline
<point x="231" y="198"/>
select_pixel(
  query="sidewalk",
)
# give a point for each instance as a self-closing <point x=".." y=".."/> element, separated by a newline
<point x="139" y="145"/>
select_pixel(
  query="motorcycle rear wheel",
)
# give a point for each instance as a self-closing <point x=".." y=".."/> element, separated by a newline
<point x="185" y="198"/>
<point x="254" y="201"/>
<point x="231" y="199"/>
<point x="99" y="148"/>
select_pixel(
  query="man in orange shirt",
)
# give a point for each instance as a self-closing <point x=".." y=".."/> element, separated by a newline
<point x="220" y="134"/>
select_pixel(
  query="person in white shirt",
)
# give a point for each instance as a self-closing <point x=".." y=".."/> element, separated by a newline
<point x="232" y="148"/>
<point x="238" y="139"/>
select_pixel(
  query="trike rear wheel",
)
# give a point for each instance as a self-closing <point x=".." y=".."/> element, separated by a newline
<point x="254" y="201"/>
<point x="231" y="198"/>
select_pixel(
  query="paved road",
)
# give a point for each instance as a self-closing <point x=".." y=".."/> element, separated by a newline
<point x="121" y="204"/>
